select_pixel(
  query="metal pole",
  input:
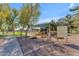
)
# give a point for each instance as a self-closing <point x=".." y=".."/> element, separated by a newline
<point x="49" y="34"/>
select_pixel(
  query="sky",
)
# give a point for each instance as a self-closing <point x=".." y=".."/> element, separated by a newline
<point x="50" y="11"/>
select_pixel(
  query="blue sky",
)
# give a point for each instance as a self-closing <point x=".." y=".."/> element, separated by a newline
<point x="50" y="11"/>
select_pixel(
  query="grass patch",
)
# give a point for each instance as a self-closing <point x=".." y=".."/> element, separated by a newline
<point x="1" y="35"/>
<point x="12" y="34"/>
<point x="19" y="33"/>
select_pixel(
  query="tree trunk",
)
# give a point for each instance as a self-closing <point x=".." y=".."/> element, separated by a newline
<point x="21" y="33"/>
<point x="8" y="30"/>
<point x="2" y="32"/>
<point x="26" y="31"/>
<point x="13" y="32"/>
<point x="13" y="29"/>
<point x="68" y="30"/>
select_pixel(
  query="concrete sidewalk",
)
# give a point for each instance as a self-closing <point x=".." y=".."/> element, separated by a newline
<point x="10" y="47"/>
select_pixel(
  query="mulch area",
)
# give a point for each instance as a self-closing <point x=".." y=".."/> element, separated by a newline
<point x="36" y="47"/>
<point x="32" y="46"/>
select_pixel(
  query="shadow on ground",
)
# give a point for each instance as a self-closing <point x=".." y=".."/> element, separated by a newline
<point x="10" y="47"/>
<point x="36" y="47"/>
<point x="73" y="46"/>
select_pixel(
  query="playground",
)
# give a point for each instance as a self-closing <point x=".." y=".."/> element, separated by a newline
<point x="32" y="29"/>
<point x="32" y="46"/>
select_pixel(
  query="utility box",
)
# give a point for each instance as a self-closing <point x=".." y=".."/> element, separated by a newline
<point x="78" y="29"/>
<point x="62" y="32"/>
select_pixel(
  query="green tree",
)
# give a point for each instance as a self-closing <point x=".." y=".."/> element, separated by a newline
<point x="75" y="16"/>
<point x="53" y="25"/>
<point x="29" y="15"/>
<point x="14" y="15"/>
<point x="4" y="13"/>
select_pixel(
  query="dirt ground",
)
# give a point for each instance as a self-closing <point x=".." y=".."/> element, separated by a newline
<point x="71" y="44"/>
<point x="60" y="47"/>
<point x="37" y="47"/>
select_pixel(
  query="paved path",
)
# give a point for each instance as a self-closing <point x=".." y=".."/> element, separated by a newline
<point x="10" y="47"/>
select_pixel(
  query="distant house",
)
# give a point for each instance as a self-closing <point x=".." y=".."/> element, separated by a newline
<point x="43" y="26"/>
<point x="36" y="27"/>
